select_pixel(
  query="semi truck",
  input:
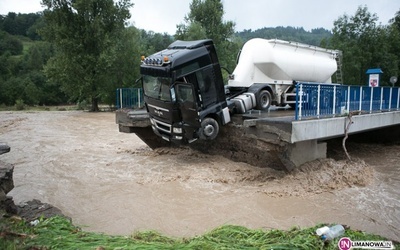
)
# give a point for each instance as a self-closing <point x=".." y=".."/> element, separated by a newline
<point x="186" y="98"/>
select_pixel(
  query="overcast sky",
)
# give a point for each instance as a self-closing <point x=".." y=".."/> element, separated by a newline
<point x="163" y="15"/>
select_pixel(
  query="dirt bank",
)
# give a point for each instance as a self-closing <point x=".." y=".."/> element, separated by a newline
<point x="112" y="182"/>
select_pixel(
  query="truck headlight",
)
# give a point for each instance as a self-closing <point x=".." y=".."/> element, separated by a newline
<point x="177" y="130"/>
<point x="178" y="137"/>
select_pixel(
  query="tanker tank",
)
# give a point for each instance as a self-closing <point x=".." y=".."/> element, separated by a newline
<point x="281" y="62"/>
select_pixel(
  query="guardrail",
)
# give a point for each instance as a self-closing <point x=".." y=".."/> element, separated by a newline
<point x="313" y="100"/>
<point x="316" y="100"/>
<point x="129" y="98"/>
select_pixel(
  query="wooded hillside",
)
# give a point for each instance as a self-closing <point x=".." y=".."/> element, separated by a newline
<point x="63" y="56"/>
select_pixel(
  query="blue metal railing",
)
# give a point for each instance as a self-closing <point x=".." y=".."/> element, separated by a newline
<point x="315" y="100"/>
<point x="129" y="98"/>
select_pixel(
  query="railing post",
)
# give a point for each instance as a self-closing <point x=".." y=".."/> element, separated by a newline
<point x="398" y="98"/>
<point x="139" y="104"/>
<point x="116" y="99"/>
<point x="334" y="101"/>
<point x="348" y="99"/>
<point x="381" y="101"/>
<point x="360" y="104"/>
<point x="318" y="100"/>
<point x="120" y="98"/>
<point x="390" y="99"/>
<point x="370" y="104"/>
<point x="300" y="100"/>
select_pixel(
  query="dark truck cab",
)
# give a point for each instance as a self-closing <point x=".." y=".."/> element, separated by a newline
<point x="184" y="92"/>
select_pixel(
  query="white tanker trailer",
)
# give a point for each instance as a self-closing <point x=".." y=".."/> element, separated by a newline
<point x="268" y="70"/>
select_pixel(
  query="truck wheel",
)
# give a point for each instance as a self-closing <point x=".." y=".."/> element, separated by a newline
<point x="209" y="129"/>
<point x="264" y="100"/>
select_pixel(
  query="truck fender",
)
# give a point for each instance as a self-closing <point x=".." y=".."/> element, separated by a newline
<point x="257" y="87"/>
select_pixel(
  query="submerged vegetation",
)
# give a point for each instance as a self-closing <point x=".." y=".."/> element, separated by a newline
<point x="59" y="233"/>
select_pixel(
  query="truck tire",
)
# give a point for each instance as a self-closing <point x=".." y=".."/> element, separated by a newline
<point x="209" y="129"/>
<point x="264" y="100"/>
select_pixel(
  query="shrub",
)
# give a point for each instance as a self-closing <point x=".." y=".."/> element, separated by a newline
<point x="19" y="104"/>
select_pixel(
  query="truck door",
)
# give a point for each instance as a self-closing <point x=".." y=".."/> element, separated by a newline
<point x="186" y="98"/>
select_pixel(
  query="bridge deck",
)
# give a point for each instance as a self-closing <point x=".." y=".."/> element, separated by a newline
<point x="320" y="129"/>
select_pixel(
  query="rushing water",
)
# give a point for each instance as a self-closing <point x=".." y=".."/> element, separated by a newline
<point x="112" y="182"/>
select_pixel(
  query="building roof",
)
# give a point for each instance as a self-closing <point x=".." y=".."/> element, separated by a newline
<point x="374" y="71"/>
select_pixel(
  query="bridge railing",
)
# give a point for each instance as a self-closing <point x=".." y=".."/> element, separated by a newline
<point x="315" y="100"/>
<point x="129" y="98"/>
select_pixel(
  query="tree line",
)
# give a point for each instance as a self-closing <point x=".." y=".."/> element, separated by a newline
<point x="297" y="34"/>
<point x="80" y="51"/>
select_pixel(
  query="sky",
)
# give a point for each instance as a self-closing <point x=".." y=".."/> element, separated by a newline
<point x="162" y="16"/>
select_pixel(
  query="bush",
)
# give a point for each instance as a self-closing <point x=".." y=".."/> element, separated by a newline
<point x="19" y="104"/>
<point x="10" y="43"/>
<point x="83" y="105"/>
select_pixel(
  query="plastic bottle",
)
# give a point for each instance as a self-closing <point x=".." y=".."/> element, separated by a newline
<point x="322" y="230"/>
<point x="333" y="232"/>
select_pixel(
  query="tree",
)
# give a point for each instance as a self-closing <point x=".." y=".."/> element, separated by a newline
<point x="18" y="24"/>
<point x="208" y="14"/>
<point x="194" y="31"/>
<point x="205" y="20"/>
<point x="394" y="40"/>
<point x="9" y="23"/>
<point x="153" y="42"/>
<point x="364" y="44"/>
<point x="85" y="33"/>
<point x="10" y="43"/>
<point x="125" y="70"/>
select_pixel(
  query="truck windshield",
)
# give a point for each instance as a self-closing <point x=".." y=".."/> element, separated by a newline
<point x="157" y="87"/>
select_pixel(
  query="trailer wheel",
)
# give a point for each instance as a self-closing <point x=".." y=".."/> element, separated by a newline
<point x="264" y="100"/>
<point x="209" y="129"/>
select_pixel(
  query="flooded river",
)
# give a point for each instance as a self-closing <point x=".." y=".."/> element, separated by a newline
<point x="112" y="182"/>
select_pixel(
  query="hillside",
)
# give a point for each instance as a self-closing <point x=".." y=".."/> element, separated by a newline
<point x="296" y="34"/>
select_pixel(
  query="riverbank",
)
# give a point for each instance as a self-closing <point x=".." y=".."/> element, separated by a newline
<point x="60" y="233"/>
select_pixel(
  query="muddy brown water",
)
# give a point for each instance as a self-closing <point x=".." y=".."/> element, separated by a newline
<point x="112" y="182"/>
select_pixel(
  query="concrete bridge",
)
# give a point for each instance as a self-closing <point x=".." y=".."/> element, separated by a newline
<point x="306" y="139"/>
<point x="288" y="137"/>
<point x="274" y="138"/>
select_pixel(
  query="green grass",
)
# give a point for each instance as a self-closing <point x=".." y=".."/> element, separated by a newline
<point x="60" y="233"/>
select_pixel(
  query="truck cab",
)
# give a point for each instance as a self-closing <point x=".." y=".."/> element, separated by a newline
<point x="184" y="92"/>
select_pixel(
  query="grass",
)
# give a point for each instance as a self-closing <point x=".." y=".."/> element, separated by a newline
<point x="59" y="233"/>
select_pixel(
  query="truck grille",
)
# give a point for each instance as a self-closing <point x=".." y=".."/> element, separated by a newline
<point x="165" y="127"/>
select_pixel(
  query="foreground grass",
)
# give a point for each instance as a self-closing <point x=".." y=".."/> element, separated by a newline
<point x="60" y="233"/>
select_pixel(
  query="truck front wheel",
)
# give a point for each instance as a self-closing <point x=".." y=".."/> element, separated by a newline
<point x="209" y="129"/>
<point x="264" y="100"/>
